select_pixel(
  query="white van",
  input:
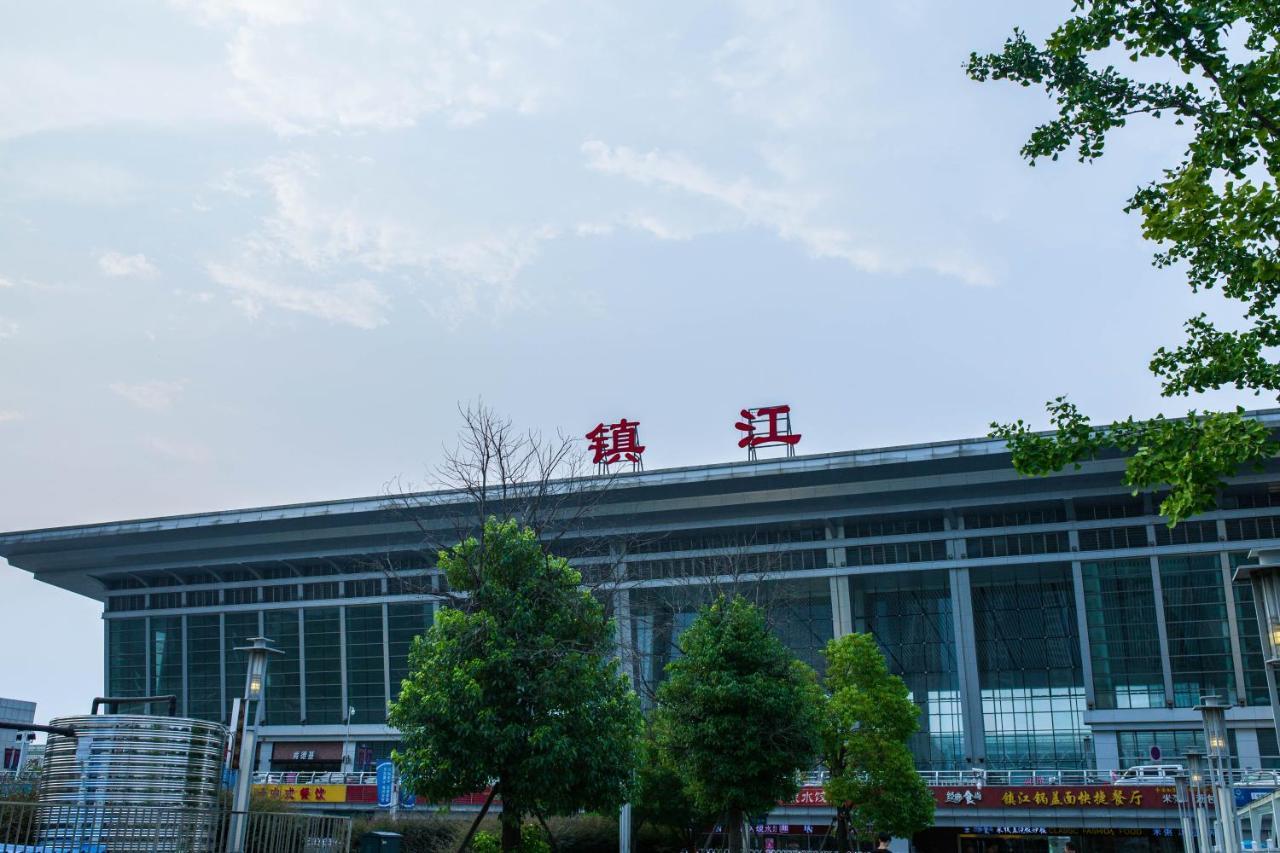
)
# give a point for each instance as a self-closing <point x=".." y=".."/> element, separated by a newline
<point x="1147" y="774"/>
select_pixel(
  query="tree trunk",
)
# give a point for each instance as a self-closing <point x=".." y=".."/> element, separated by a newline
<point x="842" y="830"/>
<point x="737" y="838"/>
<point x="475" y="824"/>
<point x="510" y="829"/>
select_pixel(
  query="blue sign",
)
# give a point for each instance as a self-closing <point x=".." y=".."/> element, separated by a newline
<point x="408" y="799"/>
<point x="386" y="774"/>
<point x="1244" y="796"/>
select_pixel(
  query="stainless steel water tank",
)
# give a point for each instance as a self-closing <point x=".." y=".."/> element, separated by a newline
<point x="134" y="779"/>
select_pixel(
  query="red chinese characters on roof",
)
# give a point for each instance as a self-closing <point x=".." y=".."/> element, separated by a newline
<point x="610" y="443"/>
<point x="766" y="425"/>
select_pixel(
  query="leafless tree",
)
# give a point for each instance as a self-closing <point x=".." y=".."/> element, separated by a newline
<point x="497" y="470"/>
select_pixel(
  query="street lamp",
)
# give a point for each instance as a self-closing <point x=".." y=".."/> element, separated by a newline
<point x="1199" y="802"/>
<point x="1182" y="794"/>
<point x="255" y="682"/>
<point x="1214" y="714"/>
<point x="1264" y="579"/>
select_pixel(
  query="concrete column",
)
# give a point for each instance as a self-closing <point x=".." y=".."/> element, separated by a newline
<point x="386" y="656"/>
<point x="1248" y="752"/>
<point x="302" y="665"/>
<point x="185" y="691"/>
<point x="1106" y="748"/>
<point x="1163" y="632"/>
<point x="1082" y="628"/>
<point x="967" y="667"/>
<point x="1237" y="657"/>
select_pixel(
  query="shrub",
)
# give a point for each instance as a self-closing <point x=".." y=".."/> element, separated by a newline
<point x="426" y="834"/>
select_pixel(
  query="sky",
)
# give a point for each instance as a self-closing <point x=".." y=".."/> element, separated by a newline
<point x="256" y="251"/>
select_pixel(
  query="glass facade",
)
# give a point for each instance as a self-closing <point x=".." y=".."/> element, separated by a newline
<point x="1195" y="614"/>
<point x="1029" y="666"/>
<point x="1135" y="746"/>
<point x="166" y="657"/>
<point x="127" y="657"/>
<point x="910" y="615"/>
<point x="204" y="670"/>
<point x="999" y="676"/>
<point x="1124" y="637"/>
<point x="405" y="620"/>
<point x="240" y="626"/>
<point x="284" y="697"/>
<point x="366" y="675"/>
<point x="322" y="635"/>
<point x="1255" y="673"/>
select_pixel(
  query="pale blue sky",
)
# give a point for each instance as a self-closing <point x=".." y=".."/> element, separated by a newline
<point x="254" y="252"/>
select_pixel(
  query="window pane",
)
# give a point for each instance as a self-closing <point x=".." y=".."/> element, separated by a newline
<point x="405" y="620"/>
<point x="324" y="666"/>
<point x="204" y="669"/>
<point x="1195" y="613"/>
<point x="1029" y="668"/>
<point x="240" y="627"/>
<point x="366" y="685"/>
<point x="166" y="657"/>
<point x="1124" y="639"/>
<point x="284" y="701"/>
<point x="126" y="657"/>
<point x="911" y="618"/>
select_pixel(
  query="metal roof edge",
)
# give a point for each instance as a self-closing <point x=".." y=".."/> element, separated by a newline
<point x="892" y="454"/>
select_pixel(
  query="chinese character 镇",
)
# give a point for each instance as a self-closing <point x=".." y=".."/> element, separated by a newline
<point x="612" y="442"/>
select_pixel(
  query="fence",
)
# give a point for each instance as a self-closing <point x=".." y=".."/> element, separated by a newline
<point x="36" y="828"/>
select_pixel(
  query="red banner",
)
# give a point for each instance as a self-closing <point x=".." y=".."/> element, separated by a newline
<point x="1089" y="797"/>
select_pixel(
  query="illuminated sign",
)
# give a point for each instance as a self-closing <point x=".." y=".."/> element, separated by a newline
<point x="304" y="793"/>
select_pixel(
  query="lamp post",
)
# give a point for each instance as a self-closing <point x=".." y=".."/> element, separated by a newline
<point x="1214" y="714"/>
<point x="1182" y="793"/>
<point x="1264" y="579"/>
<point x="255" y="686"/>
<point x="1199" y="801"/>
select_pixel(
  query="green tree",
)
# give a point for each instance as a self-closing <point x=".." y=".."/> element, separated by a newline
<point x="660" y="799"/>
<point x="1214" y="66"/>
<point x="517" y="687"/>
<point x="737" y="715"/>
<point x="869" y="717"/>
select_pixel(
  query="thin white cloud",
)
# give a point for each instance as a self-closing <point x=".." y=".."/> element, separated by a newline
<point x="8" y="416"/>
<point x="119" y="265"/>
<point x="357" y="303"/>
<point x="8" y="328"/>
<point x="180" y="450"/>
<point x="321" y="246"/>
<point x="153" y="396"/>
<point x="792" y="215"/>
<point x="316" y="65"/>
<point x="4" y="282"/>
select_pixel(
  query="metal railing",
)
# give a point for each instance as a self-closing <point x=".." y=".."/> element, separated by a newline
<point x="121" y="829"/>
<point x="334" y="778"/>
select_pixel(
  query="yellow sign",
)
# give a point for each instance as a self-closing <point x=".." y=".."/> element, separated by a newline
<point x="304" y="793"/>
